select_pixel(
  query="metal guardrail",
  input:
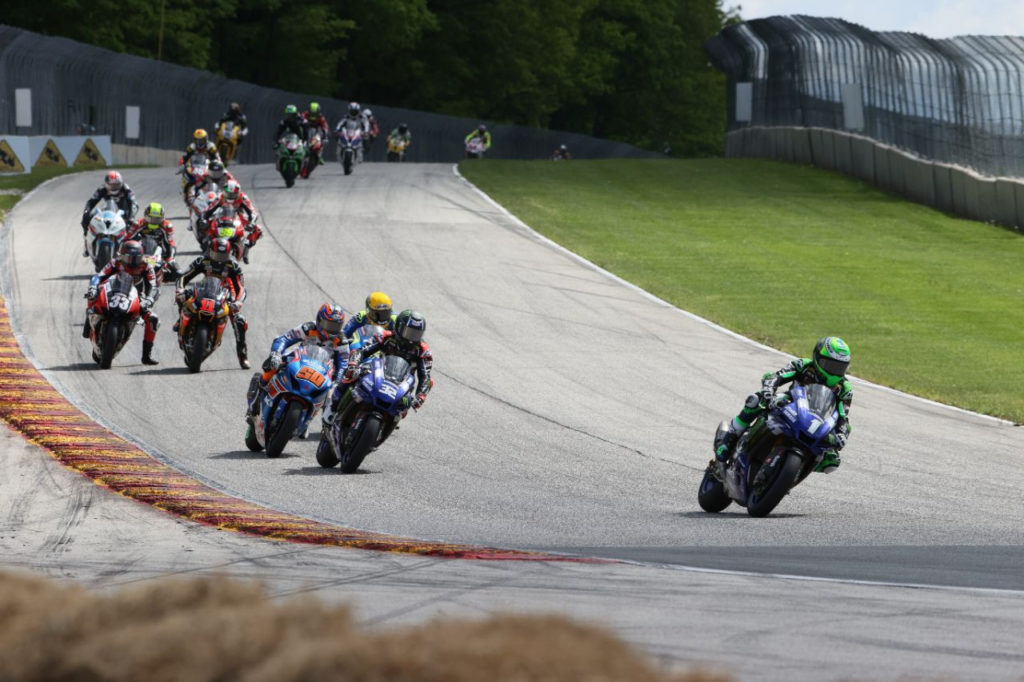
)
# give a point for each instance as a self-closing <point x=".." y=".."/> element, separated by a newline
<point x="72" y="83"/>
<point x="957" y="100"/>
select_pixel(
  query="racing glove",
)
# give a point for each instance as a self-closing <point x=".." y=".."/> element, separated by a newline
<point x="91" y="293"/>
<point x="146" y="303"/>
<point x="829" y="463"/>
<point x="417" y="402"/>
<point x="273" y="362"/>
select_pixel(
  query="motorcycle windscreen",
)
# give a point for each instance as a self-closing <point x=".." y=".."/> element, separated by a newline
<point x="396" y="369"/>
<point x="318" y="354"/>
<point x="122" y="284"/>
<point x="820" y="400"/>
<point x="209" y="288"/>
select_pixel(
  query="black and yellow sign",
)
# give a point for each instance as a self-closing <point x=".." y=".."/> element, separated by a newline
<point x="90" y="155"/>
<point x="50" y="156"/>
<point x="9" y="161"/>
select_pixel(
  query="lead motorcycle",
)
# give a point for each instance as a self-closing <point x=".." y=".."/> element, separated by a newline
<point x="204" y="315"/>
<point x="107" y="228"/>
<point x="291" y="399"/>
<point x="350" y="145"/>
<point x="779" y="450"/>
<point x="113" y="316"/>
<point x="381" y="403"/>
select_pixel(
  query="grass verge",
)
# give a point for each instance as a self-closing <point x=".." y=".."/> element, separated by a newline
<point x="785" y="254"/>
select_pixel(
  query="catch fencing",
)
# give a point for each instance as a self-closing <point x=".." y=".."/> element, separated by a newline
<point x="56" y="86"/>
<point x="957" y="100"/>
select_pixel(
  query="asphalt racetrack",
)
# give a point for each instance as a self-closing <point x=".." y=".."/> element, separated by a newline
<point x="571" y="413"/>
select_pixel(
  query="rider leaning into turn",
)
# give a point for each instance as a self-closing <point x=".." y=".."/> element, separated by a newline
<point x="406" y="341"/>
<point x="130" y="259"/>
<point x="113" y="187"/>
<point x="217" y="263"/>
<point x="325" y="330"/>
<point x="154" y="224"/>
<point x="377" y="311"/>
<point x="827" y="365"/>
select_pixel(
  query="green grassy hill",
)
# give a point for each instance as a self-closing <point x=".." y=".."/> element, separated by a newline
<point x="785" y="254"/>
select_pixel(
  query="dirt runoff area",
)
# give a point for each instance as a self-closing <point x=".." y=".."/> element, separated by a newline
<point x="209" y="629"/>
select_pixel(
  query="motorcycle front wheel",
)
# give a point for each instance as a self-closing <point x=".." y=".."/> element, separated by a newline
<point x="195" y="351"/>
<point x="285" y="429"/>
<point x="111" y="337"/>
<point x="765" y="495"/>
<point x="104" y="253"/>
<point x="346" y="163"/>
<point x="365" y="442"/>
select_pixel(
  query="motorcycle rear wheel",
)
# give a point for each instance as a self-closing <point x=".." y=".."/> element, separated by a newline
<point x="111" y="337"/>
<point x="761" y="503"/>
<point x="285" y="430"/>
<point x="363" y="445"/>
<point x="250" y="439"/>
<point x="711" y="495"/>
<point x="195" y="352"/>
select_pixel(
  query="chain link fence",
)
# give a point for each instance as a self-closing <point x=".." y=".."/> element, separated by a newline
<point x="77" y="87"/>
<point x="957" y="100"/>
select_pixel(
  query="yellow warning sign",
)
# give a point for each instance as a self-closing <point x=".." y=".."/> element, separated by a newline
<point x="9" y="161"/>
<point x="50" y="156"/>
<point x="90" y="155"/>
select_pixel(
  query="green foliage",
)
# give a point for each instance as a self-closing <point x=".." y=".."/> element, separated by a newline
<point x="631" y="70"/>
<point x="786" y="254"/>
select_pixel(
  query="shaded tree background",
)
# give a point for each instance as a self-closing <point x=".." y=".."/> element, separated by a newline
<point x="627" y="70"/>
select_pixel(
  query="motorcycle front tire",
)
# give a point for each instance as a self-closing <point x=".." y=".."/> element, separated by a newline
<point x="250" y="439"/>
<point x="195" y="351"/>
<point x="285" y="429"/>
<point x="366" y="441"/>
<point x="760" y="504"/>
<point x="104" y="254"/>
<point x="111" y="337"/>
<point x="711" y="495"/>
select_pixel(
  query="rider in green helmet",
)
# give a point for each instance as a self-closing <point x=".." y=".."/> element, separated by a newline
<point x="291" y="123"/>
<point x="827" y="365"/>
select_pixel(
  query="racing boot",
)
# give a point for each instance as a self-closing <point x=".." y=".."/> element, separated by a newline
<point x="243" y="356"/>
<point x="252" y="396"/>
<point x="240" y="347"/>
<point x="147" y="354"/>
<point x="86" y="328"/>
<point x="85" y="246"/>
<point x="725" y="442"/>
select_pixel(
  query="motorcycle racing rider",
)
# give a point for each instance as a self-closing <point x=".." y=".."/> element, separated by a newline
<point x="827" y="365"/>
<point x="201" y="146"/>
<point x="377" y="311"/>
<point x="235" y="116"/>
<point x="406" y="341"/>
<point x="482" y="133"/>
<point x="316" y="121"/>
<point x="233" y="196"/>
<point x="215" y="173"/>
<point x="401" y="136"/>
<point x="113" y="187"/>
<point x="325" y="330"/>
<point x="217" y="263"/>
<point x="291" y="123"/>
<point x="371" y="128"/>
<point x="154" y="224"/>
<point x="130" y="259"/>
<point x="354" y="116"/>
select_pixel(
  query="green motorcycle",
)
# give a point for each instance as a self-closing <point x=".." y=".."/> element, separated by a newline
<point x="291" y="151"/>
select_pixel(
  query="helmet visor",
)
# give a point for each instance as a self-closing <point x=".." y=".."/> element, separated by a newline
<point x="330" y="327"/>
<point x="380" y="316"/>
<point x="833" y="367"/>
<point x="412" y="335"/>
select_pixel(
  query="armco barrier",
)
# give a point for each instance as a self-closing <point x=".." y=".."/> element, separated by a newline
<point x="952" y="189"/>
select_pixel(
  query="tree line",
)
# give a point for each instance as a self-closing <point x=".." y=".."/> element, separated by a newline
<point x="627" y="70"/>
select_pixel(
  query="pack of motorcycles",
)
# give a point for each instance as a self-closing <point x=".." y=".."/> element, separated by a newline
<point x="777" y="452"/>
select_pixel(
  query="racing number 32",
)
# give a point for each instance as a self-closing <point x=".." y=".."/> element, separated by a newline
<point x="312" y="376"/>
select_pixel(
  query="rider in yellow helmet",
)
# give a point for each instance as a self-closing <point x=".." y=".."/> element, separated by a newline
<point x="377" y="311"/>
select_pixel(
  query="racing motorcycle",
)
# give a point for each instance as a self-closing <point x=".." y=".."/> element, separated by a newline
<point x="196" y="165"/>
<point x="153" y="253"/>
<point x="107" y="228"/>
<point x="364" y="336"/>
<point x="381" y="402"/>
<point x="227" y="224"/>
<point x="204" y="315"/>
<point x="396" y="148"/>
<point x="778" y="451"/>
<point x="228" y="137"/>
<point x="312" y="160"/>
<point x="197" y="208"/>
<point x="290" y="154"/>
<point x="112" y="317"/>
<point x="291" y="400"/>
<point x="475" y="148"/>
<point x="350" y="142"/>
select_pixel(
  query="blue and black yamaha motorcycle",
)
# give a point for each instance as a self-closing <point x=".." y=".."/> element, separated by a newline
<point x="778" y="451"/>
<point x="292" y="399"/>
<point x="382" y="398"/>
